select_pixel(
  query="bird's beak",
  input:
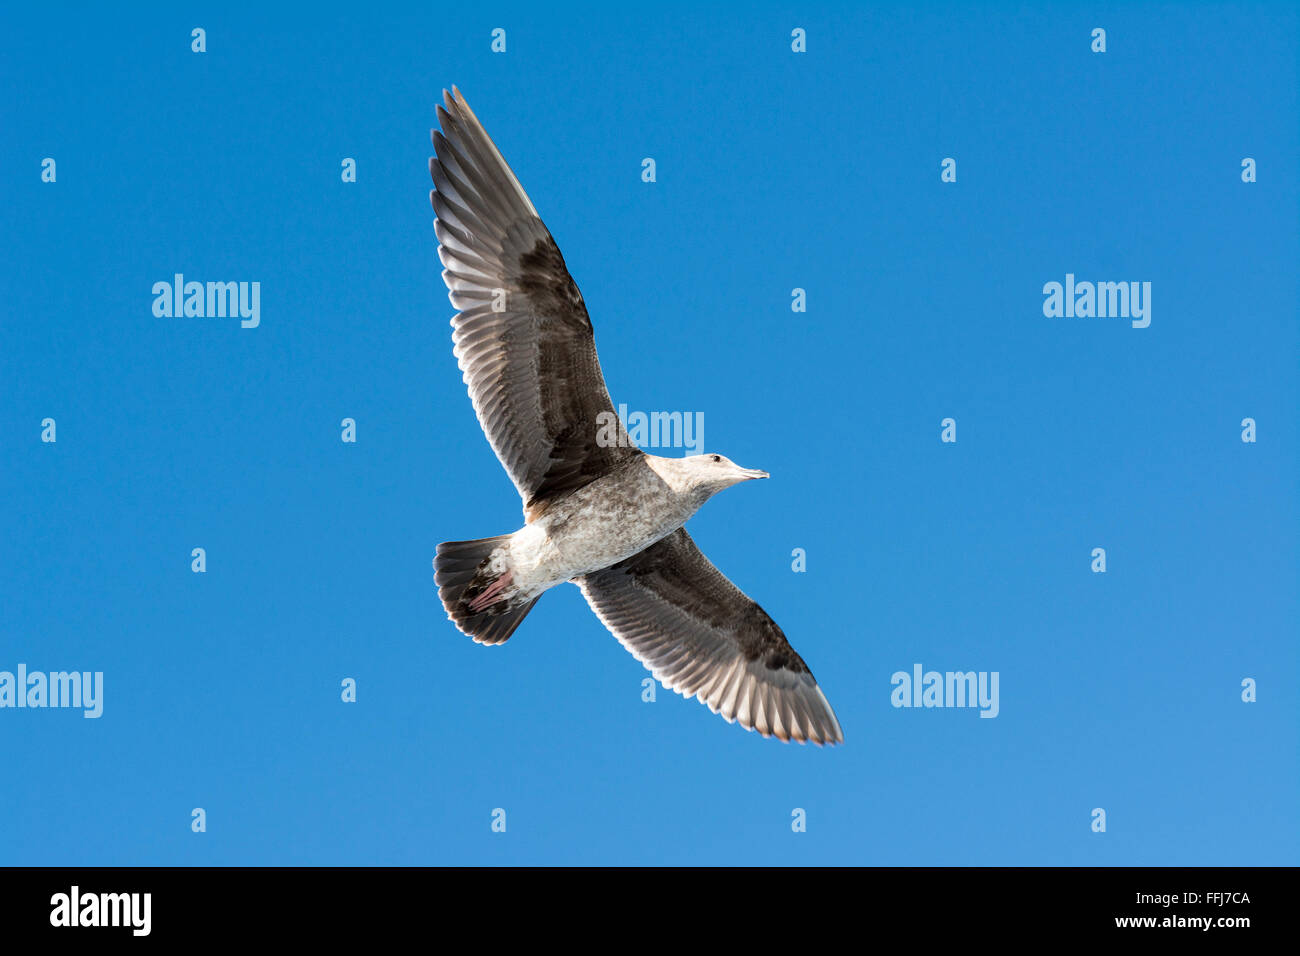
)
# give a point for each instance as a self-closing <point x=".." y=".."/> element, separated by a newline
<point x="754" y="473"/>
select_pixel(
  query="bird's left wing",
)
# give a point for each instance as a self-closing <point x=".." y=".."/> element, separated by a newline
<point x="523" y="338"/>
<point x="702" y="637"/>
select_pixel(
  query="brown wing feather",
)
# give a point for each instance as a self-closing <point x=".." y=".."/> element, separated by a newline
<point x="702" y="637"/>
<point x="523" y="338"/>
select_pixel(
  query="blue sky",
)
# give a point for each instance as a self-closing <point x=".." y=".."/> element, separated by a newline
<point x="775" y="170"/>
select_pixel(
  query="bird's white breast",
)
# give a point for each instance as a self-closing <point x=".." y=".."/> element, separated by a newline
<point x="609" y="520"/>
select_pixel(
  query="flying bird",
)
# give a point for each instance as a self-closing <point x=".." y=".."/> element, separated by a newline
<point x="597" y="510"/>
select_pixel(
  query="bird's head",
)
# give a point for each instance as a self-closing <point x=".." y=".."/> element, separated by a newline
<point x="709" y="474"/>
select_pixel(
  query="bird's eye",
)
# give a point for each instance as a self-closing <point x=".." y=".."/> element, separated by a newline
<point x="717" y="458"/>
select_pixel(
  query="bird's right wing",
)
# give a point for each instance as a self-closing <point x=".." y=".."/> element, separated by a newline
<point x="523" y="338"/>
<point x="702" y="637"/>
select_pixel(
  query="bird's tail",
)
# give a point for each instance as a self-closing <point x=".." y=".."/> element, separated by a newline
<point x="475" y="582"/>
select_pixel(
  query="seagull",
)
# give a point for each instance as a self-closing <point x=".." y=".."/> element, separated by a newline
<point x="598" y="511"/>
